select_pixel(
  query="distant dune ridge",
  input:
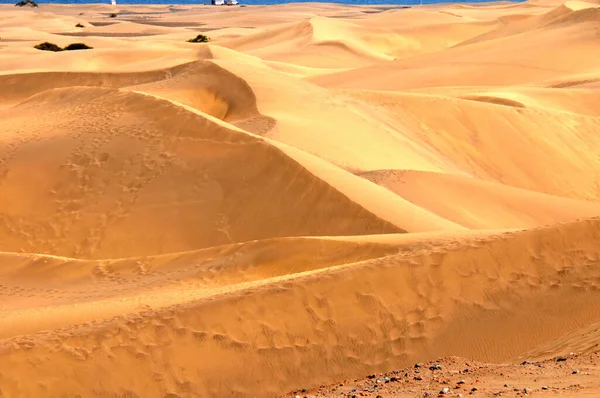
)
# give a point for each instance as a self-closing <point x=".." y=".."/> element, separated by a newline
<point x="318" y="193"/>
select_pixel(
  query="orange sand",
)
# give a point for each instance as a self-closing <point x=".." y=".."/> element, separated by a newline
<point x="319" y="193"/>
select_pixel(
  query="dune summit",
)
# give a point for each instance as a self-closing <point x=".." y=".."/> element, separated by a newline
<point x="317" y="193"/>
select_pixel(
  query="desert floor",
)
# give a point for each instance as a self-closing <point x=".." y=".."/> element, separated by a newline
<point x="320" y="193"/>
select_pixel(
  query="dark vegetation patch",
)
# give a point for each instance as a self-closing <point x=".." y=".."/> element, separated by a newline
<point x="199" y="39"/>
<point x="26" y="3"/>
<point x="46" y="46"/>
<point x="77" y="46"/>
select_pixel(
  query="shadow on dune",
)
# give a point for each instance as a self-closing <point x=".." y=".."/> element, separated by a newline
<point x="103" y="165"/>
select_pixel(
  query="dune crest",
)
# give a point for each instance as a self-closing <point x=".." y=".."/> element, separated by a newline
<point x="108" y="180"/>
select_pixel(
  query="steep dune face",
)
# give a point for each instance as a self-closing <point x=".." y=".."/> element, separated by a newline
<point x="509" y="60"/>
<point x="318" y="43"/>
<point x="303" y="111"/>
<point x="208" y="88"/>
<point x="475" y="203"/>
<point x="483" y="138"/>
<point x="120" y="164"/>
<point x="201" y="85"/>
<point x="472" y="290"/>
<point x="18" y="87"/>
<point x="36" y="289"/>
<point x="319" y="193"/>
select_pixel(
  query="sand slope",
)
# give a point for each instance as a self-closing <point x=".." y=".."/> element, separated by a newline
<point x="138" y="166"/>
<point x="480" y="204"/>
<point x="485" y="137"/>
<point x="320" y="193"/>
<point x="488" y="281"/>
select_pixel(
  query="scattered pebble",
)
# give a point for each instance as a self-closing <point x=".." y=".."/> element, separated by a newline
<point x="531" y="363"/>
<point x="444" y="380"/>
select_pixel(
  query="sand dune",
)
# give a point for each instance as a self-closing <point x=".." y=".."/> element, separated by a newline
<point x="508" y="58"/>
<point x="319" y="42"/>
<point x="474" y="203"/>
<point x="320" y="193"/>
<point x="105" y="179"/>
<point x="482" y="138"/>
<point x="488" y="280"/>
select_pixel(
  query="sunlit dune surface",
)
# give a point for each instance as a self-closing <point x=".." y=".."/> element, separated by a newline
<point x="318" y="193"/>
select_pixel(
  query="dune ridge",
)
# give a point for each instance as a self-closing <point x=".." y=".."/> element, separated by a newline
<point x="384" y="330"/>
<point x="319" y="193"/>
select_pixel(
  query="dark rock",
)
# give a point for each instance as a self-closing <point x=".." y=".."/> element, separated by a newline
<point x="417" y="365"/>
<point x="561" y="359"/>
<point x="531" y="363"/>
<point x="370" y="376"/>
<point x="419" y="378"/>
<point x="435" y="367"/>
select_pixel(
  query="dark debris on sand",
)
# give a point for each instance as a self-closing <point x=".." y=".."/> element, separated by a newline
<point x="459" y="377"/>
